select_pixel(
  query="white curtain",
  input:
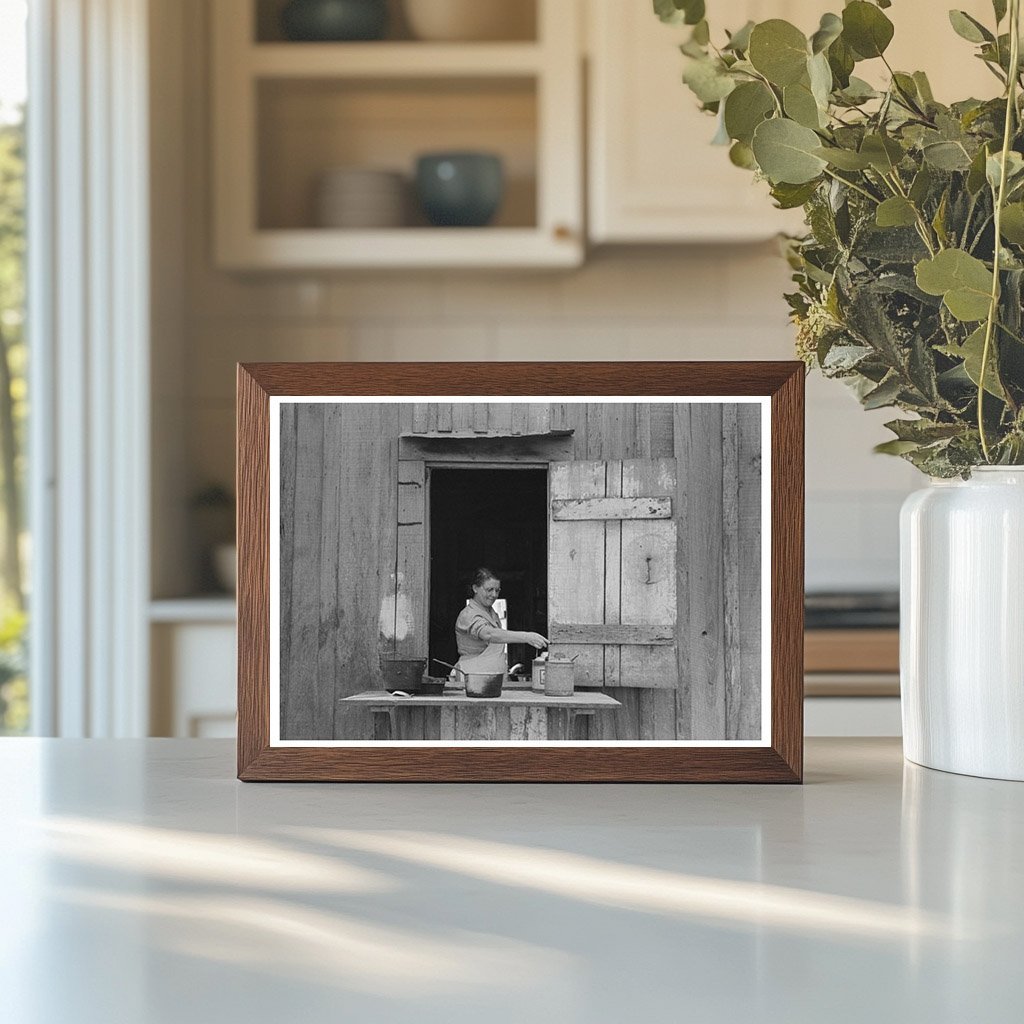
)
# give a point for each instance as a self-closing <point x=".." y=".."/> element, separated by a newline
<point x="88" y="319"/>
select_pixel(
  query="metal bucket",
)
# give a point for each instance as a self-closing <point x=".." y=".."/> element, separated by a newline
<point x="560" y="677"/>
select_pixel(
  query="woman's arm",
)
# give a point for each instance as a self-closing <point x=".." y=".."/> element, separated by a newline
<point x="492" y="634"/>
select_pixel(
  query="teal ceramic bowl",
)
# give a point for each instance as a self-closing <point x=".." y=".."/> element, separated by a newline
<point x="462" y="190"/>
<point x="332" y="21"/>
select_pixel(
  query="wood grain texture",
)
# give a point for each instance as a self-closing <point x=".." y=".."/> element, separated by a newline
<point x="485" y="447"/>
<point x="612" y="508"/>
<point x="252" y="489"/>
<point x="744" y="716"/>
<point x="699" y="450"/>
<point x="612" y="633"/>
<point x="648" y="580"/>
<point x="576" y="565"/>
<point x="646" y="710"/>
<point x="787" y="541"/>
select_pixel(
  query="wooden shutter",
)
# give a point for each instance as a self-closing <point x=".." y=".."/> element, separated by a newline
<point x="612" y="570"/>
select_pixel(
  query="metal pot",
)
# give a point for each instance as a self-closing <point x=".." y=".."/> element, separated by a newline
<point x="482" y="684"/>
<point x="477" y="684"/>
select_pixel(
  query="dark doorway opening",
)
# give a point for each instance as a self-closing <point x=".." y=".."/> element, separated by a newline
<point x="496" y="518"/>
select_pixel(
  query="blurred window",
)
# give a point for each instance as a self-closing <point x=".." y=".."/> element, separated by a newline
<point x="14" y="539"/>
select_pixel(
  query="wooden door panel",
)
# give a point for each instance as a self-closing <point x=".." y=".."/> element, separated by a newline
<point x="576" y="565"/>
<point x="649" y="576"/>
<point x="612" y="588"/>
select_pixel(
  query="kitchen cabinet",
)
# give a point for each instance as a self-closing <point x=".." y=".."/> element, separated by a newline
<point x="653" y="175"/>
<point x="193" y="654"/>
<point x="286" y="113"/>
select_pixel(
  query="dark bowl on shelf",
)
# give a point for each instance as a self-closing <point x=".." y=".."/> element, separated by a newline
<point x="461" y="190"/>
<point x="331" y="21"/>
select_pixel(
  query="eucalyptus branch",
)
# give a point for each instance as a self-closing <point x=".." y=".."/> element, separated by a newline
<point x="923" y="227"/>
<point x="854" y="186"/>
<point x="1000" y="198"/>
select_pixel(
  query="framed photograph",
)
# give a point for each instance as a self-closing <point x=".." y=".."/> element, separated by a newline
<point x="520" y="572"/>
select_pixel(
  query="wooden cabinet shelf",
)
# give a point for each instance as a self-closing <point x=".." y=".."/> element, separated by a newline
<point x="286" y="114"/>
<point x="393" y="60"/>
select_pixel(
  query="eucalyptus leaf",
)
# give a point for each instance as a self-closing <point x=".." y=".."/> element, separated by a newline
<point x="1012" y="223"/>
<point x="739" y="41"/>
<point x="676" y="12"/>
<point x="721" y="136"/>
<point x="745" y="108"/>
<point x="976" y="173"/>
<point x="947" y="156"/>
<point x="895" y="212"/>
<point x="939" y="220"/>
<point x="921" y="185"/>
<point x="972" y="353"/>
<point x="994" y="168"/>
<point x="883" y="153"/>
<point x="963" y="281"/>
<point x="741" y="155"/>
<point x="841" y="60"/>
<point x="800" y="105"/>
<point x="788" y="196"/>
<point x="923" y="431"/>
<point x="969" y="28"/>
<point x="708" y="81"/>
<point x="866" y="29"/>
<point x="858" y="91"/>
<point x="844" y="159"/>
<point x="829" y="30"/>
<point x="779" y="51"/>
<point x="924" y="88"/>
<point x="820" y="76"/>
<point x="895" y="447"/>
<point x="884" y="395"/>
<point x="785" y="152"/>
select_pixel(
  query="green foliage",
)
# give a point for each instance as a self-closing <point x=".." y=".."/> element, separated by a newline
<point x="13" y="416"/>
<point x="903" y="289"/>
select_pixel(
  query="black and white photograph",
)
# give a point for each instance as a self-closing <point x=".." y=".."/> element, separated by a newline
<point x="521" y="571"/>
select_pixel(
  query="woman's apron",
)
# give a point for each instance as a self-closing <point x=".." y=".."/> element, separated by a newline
<point x="490" y="661"/>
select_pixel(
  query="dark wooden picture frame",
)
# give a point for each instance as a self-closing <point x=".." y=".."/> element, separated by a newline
<point x="778" y="760"/>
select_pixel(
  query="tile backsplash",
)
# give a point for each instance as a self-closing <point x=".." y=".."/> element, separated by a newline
<point x="718" y="302"/>
<point x="697" y="302"/>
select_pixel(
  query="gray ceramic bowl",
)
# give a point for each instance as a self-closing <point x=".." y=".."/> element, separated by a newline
<point x="334" y="20"/>
<point x="461" y="190"/>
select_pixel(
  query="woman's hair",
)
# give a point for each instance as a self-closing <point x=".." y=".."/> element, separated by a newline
<point x="481" y="576"/>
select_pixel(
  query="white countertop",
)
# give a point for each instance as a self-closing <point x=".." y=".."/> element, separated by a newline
<point x="143" y="884"/>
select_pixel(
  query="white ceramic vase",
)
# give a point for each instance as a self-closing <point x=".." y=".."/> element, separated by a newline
<point x="962" y="624"/>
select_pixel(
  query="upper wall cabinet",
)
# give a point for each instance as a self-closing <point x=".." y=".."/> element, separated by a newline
<point x="316" y="143"/>
<point x="654" y="175"/>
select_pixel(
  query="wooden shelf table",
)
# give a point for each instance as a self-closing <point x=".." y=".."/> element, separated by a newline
<point x="515" y="715"/>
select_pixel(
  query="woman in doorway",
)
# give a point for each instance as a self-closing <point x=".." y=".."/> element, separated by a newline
<point x="478" y="633"/>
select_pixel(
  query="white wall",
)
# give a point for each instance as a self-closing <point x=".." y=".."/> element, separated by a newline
<point x="720" y="302"/>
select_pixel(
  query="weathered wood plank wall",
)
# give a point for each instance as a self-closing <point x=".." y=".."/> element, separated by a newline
<point x="338" y="559"/>
<point x="352" y="566"/>
<point x="719" y="586"/>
